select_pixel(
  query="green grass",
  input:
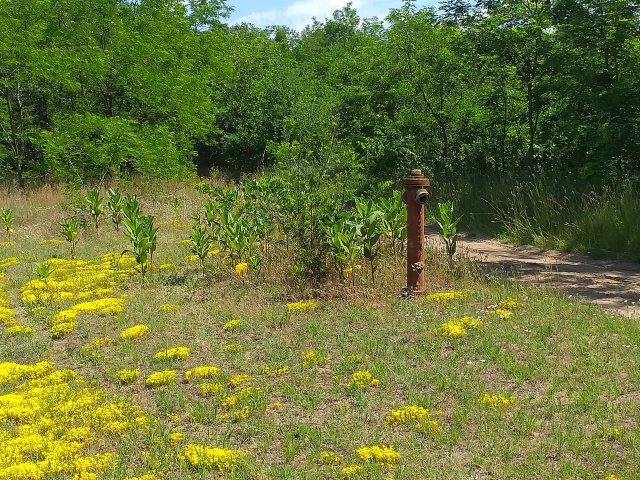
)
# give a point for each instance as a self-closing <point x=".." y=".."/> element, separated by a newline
<point x="551" y="213"/>
<point x="572" y="369"/>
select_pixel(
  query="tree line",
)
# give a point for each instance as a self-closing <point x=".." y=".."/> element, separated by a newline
<point x="490" y="87"/>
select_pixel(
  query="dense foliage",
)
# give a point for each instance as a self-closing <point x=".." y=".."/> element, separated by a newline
<point x="110" y="87"/>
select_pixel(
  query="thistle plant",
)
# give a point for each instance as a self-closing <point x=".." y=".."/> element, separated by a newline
<point x="115" y="204"/>
<point x="95" y="205"/>
<point x="6" y="219"/>
<point x="448" y="228"/>
<point x="201" y="243"/>
<point x="69" y="230"/>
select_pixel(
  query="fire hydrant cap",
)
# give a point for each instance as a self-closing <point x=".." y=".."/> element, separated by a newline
<point x="416" y="179"/>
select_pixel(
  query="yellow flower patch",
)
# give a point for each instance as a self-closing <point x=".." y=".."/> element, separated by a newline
<point x="80" y="279"/>
<point x="330" y="458"/>
<point x="237" y="380"/>
<point x="202" y="372"/>
<point x="175" y="353"/>
<point x="232" y="324"/>
<point x="385" y="456"/>
<point x="417" y="417"/>
<point x="242" y="269"/>
<point x="18" y="330"/>
<point x="444" y="296"/>
<point x="136" y="331"/>
<point x="457" y="327"/>
<point x="65" y="321"/>
<point x="169" y="307"/>
<point x="7" y="244"/>
<point x="128" y="376"/>
<point x="211" y="458"/>
<point x="62" y="425"/>
<point x="496" y="400"/>
<point x="363" y="379"/>
<point x="159" y="379"/>
<point x="8" y="262"/>
<point x="351" y="471"/>
<point x="208" y="389"/>
<point x="312" y="357"/>
<point x="302" y="306"/>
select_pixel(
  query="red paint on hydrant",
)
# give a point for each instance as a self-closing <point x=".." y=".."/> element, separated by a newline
<point x="415" y="196"/>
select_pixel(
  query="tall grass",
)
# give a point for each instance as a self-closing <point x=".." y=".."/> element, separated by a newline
<point x="601" y="221"/>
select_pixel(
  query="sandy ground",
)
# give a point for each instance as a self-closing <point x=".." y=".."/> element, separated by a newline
<point x="610" y="284"/>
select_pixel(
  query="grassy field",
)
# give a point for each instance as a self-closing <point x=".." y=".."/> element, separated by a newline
<point x="505" y="382"/>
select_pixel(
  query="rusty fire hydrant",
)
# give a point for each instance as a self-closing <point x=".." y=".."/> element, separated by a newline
<point x="415" y="196"/>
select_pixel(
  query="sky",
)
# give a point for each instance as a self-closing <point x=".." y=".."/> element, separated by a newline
<point x="298" y="13"/>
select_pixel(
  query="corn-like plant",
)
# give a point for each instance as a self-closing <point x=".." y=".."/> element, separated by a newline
<point x="343" y="243"/>
<point x="141" y="232"/>
<point x="69" y="230"/>
<point x="448" y="228"/>
<point x="369" y="228"/>
<point x="6" y="218"/>
<point x="115" y="204"/>
<point x="95" y="205"/>
<point x="200" y="243"/>
<point x="394" y="220"/>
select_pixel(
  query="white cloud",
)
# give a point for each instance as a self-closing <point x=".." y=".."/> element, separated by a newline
<point x="299" y="13"/>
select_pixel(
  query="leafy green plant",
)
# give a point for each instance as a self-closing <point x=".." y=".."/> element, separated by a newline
<point x="7" y="218"/>
<point x="394" y="220"/>
<point x="448" y="228"/>
<point x="141" y="232"/>
<point x="95" y="205"/>
<point x="69" y="230"/>
<point x="115" y="204"/>
<point x="200" y="243"/>
<point x="369" y="227"/>
<point x="344" y="246"/>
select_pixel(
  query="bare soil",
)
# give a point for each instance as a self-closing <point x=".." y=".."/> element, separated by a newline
<point x="613" y="285"/>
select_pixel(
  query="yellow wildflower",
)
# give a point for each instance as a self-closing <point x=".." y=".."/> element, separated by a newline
<point x="232" y="324"/>
<point x="220" y="459"/>
<point x="457" y="327"/>
<point x="176" y="437"/>
<point x="242" y="269"/>
<point x="164" y="377"/>
<point x="169" y="307"/>
<point x="302" y="306"/>
<point x="418" y="417"/>
<point x="496" y="400"/>
<point x="7" y="244"/>
<point x="312" y="357"/>
<point x="385" y="456"/>
<point x="203" y="371"/>
<point x="232" y="348"/>
<point x="128" y="376"/>
<point x="444" y="296"/>
<point x="351" y="471"/>
<point x="136" y="331"/>
<point x="211" y="388"/>
<point x="18" y="330"/>
<point x="363" y="379"/>
<point x="330" y="458"/>
<point x="237" y="380"/>
<point x="175" y="353"/>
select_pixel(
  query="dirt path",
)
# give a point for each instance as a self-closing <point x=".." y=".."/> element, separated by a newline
<point x="610" y="284"/>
